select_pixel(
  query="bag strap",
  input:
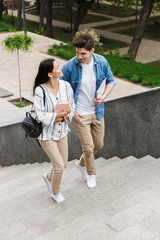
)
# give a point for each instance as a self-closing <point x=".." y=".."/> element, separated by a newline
<point x="44" y="95"/>
<point x="44" y="98"/>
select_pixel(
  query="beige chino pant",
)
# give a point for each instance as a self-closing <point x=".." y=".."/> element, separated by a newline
<point x="57" y="152"/>
<point x="91" y="134"/>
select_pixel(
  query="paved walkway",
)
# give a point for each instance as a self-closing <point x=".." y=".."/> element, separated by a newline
<point x="148" y="51"/>
<point x="29" y="63"/>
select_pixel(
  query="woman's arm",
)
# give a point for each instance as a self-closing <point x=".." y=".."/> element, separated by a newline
<point x="72" y="103"/>
<point x="47" y="118"/>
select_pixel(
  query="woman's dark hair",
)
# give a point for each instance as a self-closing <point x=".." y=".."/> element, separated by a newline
<point x="45" y="67"/>
<point x="84" y="41"/>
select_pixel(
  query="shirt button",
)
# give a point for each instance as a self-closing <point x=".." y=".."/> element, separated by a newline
<point x="59" y="123"/>
<point x="59" y="131"/>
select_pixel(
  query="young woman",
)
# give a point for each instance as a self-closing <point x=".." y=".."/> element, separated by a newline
<point x="55" y="125"/>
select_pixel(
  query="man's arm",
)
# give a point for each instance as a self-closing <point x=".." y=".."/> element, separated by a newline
<point x="107" y="91"/>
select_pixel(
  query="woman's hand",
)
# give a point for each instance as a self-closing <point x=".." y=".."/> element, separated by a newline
<point x="64" y="114"/>
<point x="66" y="111"/>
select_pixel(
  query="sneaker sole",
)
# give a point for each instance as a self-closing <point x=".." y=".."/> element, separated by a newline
<point x="78" y="167"/>
<point x="47" y="184"/>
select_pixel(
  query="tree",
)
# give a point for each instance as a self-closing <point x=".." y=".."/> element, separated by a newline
<point x="19" y="17"/>
<point x="82" y="8"/>
<point x="15" y="43"/>
<point x="41" y="20"/>
<point x="1" y="8"/>
<point x="133" y="49"/>
<point x="69" y="5"/>
<point x="49" y="18"/>
<point x="38" y="3"/>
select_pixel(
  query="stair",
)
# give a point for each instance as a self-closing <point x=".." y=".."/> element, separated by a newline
<point x="125" y="205"/>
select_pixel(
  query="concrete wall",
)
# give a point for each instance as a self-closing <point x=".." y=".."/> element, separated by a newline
<point x="132" y="127"/>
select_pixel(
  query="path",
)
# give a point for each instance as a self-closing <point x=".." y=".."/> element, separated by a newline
<point x="148" y="51"/>
<point x="29" y="62"/>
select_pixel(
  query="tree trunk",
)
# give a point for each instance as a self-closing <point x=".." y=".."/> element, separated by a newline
<point x="38" y="5"/>
<point x="49" y="18"/>
<point x="136" y="15"/>
<point x="41" y="21"/>
<point x="133" y="49"/>
<point x="81" y="13"/>
<point x="19" y="75"/>
<point x="1" y="8"/>
<point x="19" y="17"/>
<point x="71" y="18"/>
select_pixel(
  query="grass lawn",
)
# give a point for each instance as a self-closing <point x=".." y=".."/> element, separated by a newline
<point x="113" y="10"/>
<point x="110" y="44"/>
<point x="146" y="74"/>
<point x="61" y="34"/>
<point x="63" y="14"/>
<point x="151" y="30"/>
<point x="5" y="23"/>
<point x="155" y="63"/>
<point x="117" y="25"/>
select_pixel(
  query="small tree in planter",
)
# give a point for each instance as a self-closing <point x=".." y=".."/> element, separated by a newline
<point x="15" y="43"/>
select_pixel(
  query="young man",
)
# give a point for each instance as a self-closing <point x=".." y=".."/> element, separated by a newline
<point x="85" y="72"/>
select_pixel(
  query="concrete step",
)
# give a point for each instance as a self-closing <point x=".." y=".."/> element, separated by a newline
<point x="21" y="171"/>
<point x="12" y="170"/>
<point x="146" y="229"/>
<point x="127" y="192"/>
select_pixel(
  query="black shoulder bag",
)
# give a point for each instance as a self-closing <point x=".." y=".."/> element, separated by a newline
<point x="30" y="125"/>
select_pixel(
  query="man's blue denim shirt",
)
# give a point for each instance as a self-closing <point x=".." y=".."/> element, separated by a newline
<point x="72" y="73"/>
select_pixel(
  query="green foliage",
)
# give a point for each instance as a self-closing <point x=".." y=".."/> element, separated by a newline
<point x="117" y="9"/>
<point x="63" y="14"/>
<point x="17" y="41"/>
<point x="65" y="51"/>
<point x="121" y="66"/>
<point x="125" y="56"/>
<point x="69" y="3"/>
<point x="19" y="104"/>
<point x="146" y="74"/>
<point x="139" y="36"/>
<point x="14" y="43"/>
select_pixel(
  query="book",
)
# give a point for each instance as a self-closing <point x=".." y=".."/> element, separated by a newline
<point x="101" y="89"/>
<point x="61" y="105"/>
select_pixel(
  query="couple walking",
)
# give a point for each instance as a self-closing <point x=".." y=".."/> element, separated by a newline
<point x="76" y="82"/>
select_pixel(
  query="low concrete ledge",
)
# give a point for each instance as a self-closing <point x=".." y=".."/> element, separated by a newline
<point x="132" y="127"/>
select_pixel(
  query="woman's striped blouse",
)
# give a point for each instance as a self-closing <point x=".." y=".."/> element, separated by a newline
<point x="45" y="113"/>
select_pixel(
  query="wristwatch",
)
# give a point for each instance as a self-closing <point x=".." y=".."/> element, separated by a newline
<point x="62" y="119"/>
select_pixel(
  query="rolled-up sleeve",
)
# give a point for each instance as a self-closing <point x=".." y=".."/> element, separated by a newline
<point x="109" y="75"/>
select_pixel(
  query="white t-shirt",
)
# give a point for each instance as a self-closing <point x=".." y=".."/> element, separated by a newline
<point x="85" y="102"/>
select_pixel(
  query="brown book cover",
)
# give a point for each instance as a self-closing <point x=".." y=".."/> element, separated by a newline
<point x="60" y="106"/>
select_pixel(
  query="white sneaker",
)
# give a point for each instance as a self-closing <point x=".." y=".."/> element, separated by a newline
<point x="82" y="170"/>
<point x="48" y="183"/>
<point x="91" y="182"/>
<point x="58" y="197"/>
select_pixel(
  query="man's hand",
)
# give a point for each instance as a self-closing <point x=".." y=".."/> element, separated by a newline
<point x="107" y="91"/>
<point x="76" y="115"/>
<point x="98" y="101"/>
